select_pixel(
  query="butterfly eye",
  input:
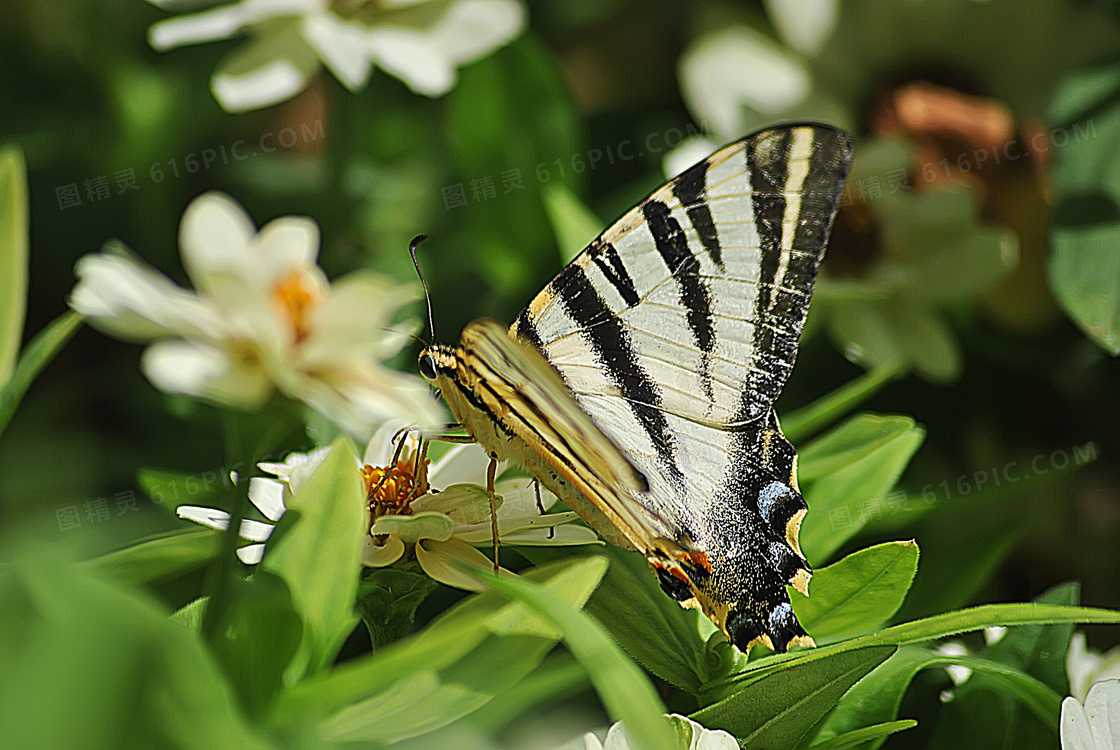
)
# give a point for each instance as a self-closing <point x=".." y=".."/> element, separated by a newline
<point x="428" y="366"/>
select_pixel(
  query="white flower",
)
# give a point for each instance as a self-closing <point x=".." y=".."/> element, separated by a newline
<point x="443" y="528"/>
<point x="690" y="736"/>
<point x="1086" y="666"/>
<point x="263" y="316"/>
<point x="421" y="42"/>
<point x="1096" y="725"/>
<point x="805" y="25"/>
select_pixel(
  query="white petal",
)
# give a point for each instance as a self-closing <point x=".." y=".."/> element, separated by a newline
<point x="212" y="517"/>
<point x="1081" y="663"/>
<point x="735" y="67"/>
<point x="214" y="238"/>
<point x="294" y="460"/>
<point x="994" y="634"/>
<point x="134" y="301"/>
<point x="464" y="504"/>
<point x="959" y="675"/>
<point x="411" y="529"/>
<point x="284" y="245"/>
<point x="442" y="561"/>
<point x="251" y="554"/>
<point x="255" y="531"/>
<point x="413" y="57"/>
<point x="268" y="496"/>
<point x="462" y="464"/>
<point x="805" y="25"/>
<point x="1103" y="709"/>
<point x="383" y="444"/>
<point x="264" y="72"/>
<point x="471" y="29"/>
<point x="208" y="26"/>
<point x="356" y="321"/>
<point x="378" y="555"/>
<point x="591" y="742"/>
<point x="341" y="46"/>
<point x="520" y="498"/>
<point x="559" y="536"/>
<point x="1075" y="732"/>
<point x="302" y="470"/>
<point x="616" y="738"/>
<point x="692" y="151"/>
<point x="203" y="371"/>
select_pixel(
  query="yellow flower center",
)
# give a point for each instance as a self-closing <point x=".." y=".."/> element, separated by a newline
<point x="391" y="490"/>
<point x="297" y="298"/>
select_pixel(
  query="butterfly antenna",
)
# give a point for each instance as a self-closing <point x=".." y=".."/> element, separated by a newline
<point x="427" y="297"/>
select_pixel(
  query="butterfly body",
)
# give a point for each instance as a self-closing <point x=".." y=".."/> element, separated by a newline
<point x="638" y="385"/>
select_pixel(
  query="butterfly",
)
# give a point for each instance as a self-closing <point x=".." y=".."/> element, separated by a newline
<point x="638" y="385"/>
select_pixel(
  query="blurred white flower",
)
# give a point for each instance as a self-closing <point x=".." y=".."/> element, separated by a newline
<point x="263" y="315"/>
<point x="1086" y="666"/>
<point x="690" y="736"/>
<point x="443" y="527"/>
<point x="1096" y="725"/>
<point x="421" y="42"/>
<point x="805" y="25"/>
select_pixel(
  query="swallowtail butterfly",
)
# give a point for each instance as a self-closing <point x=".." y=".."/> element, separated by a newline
<point x="638" y="385"/>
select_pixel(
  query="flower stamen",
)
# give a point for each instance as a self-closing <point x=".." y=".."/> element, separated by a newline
<point x="390" y="491"/>
<point x="297" y="299"/>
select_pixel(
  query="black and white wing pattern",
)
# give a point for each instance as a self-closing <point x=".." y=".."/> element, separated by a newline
<point x="675" y="330"/>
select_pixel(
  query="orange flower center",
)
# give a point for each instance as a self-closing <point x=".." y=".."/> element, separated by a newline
<point x="297" y="298"/>
<point x="391" y="490"/>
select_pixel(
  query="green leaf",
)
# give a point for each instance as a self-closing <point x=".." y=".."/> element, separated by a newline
<point x="38" y="353"/>
<point x="624" y="689"/>
<point x="388" y="598"/>
<point x="159" y="558"/>
<point x="856" y="438"/>
<point x="89" y="663"/>
<point x="574" y="224"/>
<point x="451" y="637"/>
<point x="13" y="256"/>
<point x="841" y="502"/>
<point x="859" y="592"/>
<point x="927" y="340"/>
<point x="780" y="708"/>
<point x="559" y="677"/>
<point x="802" y="423"/>
<point x="317" y="549"/>
<point x="859" y="737"/>
<point x="660" y="634"/>
<point x="1084" y="265"/>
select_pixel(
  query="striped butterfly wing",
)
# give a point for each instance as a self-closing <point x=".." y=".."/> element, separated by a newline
<point x="676" y="330"/>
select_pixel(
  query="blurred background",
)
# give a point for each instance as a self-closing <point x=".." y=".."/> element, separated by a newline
<point x="976" y="257"/>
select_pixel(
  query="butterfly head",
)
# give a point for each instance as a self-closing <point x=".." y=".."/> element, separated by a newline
<point x="437" y="361"/>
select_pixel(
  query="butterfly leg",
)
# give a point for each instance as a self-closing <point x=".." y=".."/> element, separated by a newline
<point x="491" y="471"/>
<point x="540" y="506"/>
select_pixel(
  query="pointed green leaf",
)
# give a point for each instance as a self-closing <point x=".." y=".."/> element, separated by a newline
<point x="159" y="558"/>
<point x="859" y="592"/>
<point x="574" y="224"/>
<point x="779" y="709"/>
<point x="856" y="438"/>
<point x="843" y="501"/>
<point x="317" y="550"/>
<point x="859" y="737"/>
<point x="624" y="689"/>
<point x="13" y="256"/>
<point x="38" y="353"/>
<point x="559" y="677"/>
<point x="802" y="423"/>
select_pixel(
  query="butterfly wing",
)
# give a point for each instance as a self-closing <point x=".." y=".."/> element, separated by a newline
<point x="676" y="330"/>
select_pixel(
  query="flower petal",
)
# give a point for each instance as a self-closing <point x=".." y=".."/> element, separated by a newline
<point x="284" y="245"/>
<point x="442" y="561"/>
<point x="294" y="461"/>
<point x="268" y="496"/>
<point x="739" y="66"/>
<point x="263" y="72"/>
<point x="383" y="444"/>
<point x="251" y="554"/>
<point x="341" y="46"/>
<point x="413" y="57"/>
<point x="255" y="531"/>
<point x="471" y="29"/>
<point x="1075" y="732"/>
<point x="463" y="464"/>
<point x="357" y="320"/>
<point x="377" y="554"/>
<point x="462" y="503"/>
<point x="204" y="371"/>
<point x="805" y="25"/>
<point x="412" y="529"/>
<point x="214" y="238"/>
<point x="212" y="517"/>
<point x="521" y="498"/>
<point x="1103" y="710"/>
<point x="132" y="300"/>
<point x="208" y="26"/>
